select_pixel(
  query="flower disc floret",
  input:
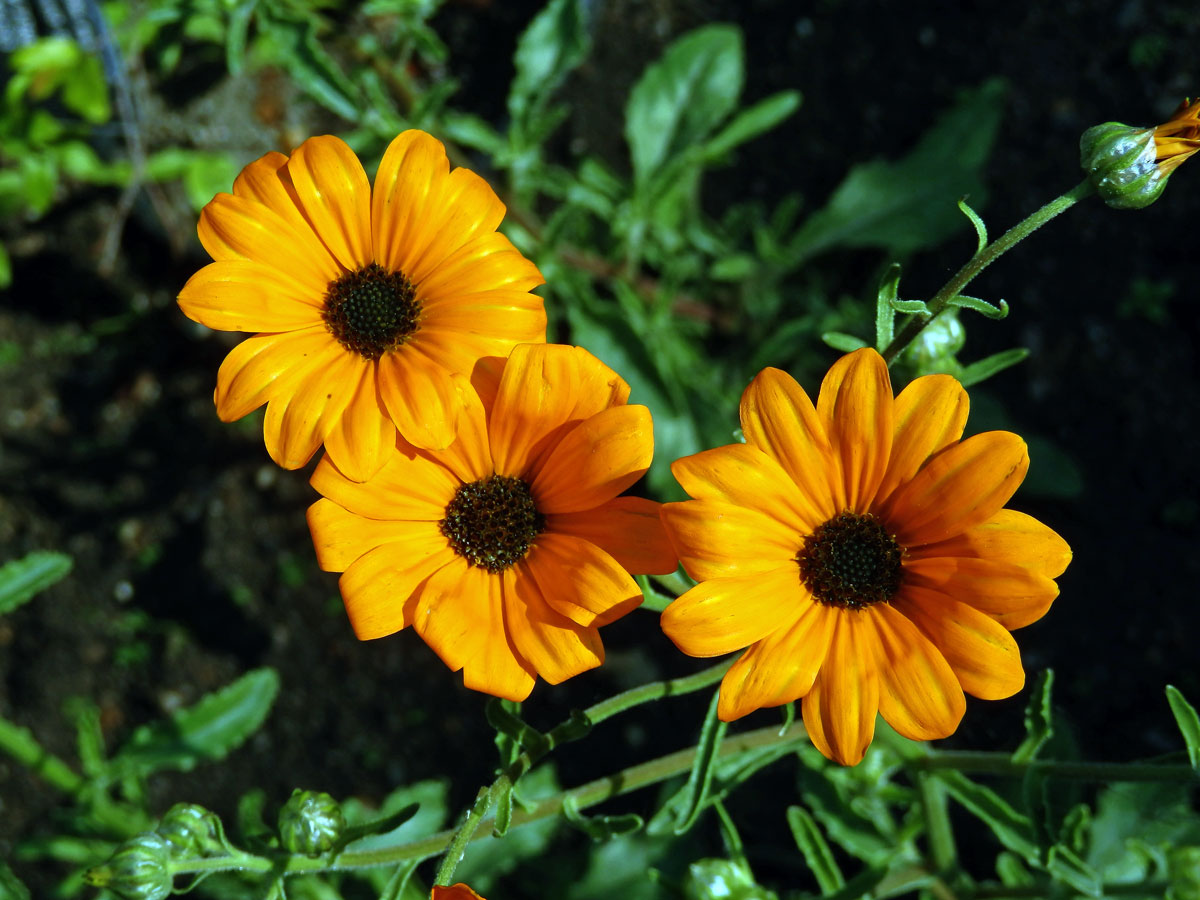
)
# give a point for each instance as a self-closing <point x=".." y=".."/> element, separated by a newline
<point x="371" y="311"/>
<point x="492" y="522"/>
<point x="851" y="562"/>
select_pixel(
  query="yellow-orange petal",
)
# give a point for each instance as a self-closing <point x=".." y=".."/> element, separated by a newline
<point x="552" y="644"/>
<point x="1008" y="536"/>
<point x="487" y="324"/>
<point x="930" y="415"/>
<point x="454" y="892"/>
<point x="470" y="456"/>
<point x="779" y="419"/>
<point x="340" y="536"/>
<point x="919" y="695"/>
<point x="468" y="208"/>
<point x="544" y="391"/>
<point x="719" y="540"/>
<point x="839" y="711"/>
<point x="1010" y="594"/>
<point x="743" y="475"/>
<point x="267" y="181"/>
<point x="580" y="581"/>
<point x="962" y="486"/>
<point x="406" y="195"/>
<point x="726" y="614"/>
<point x="628" y="529"/>
<point x="409" y="487"/>
<point x="297" y="421"/>
<point x="460" y="616"/>
<point x="595" y="461"/>
<point x="364" y="437"/>
<point x="488" y="262"/>
<point x="421" y="398"/>
<point x="984" y="656"/>
<point x="780" y="668"/>
<point x="380" y="588"/>
<point x="243" y="295"/>
<point x="855" y="407"/>
<point x="234" y="227"/>
<point x="335" y="197"/>
<point x="265" y="365"/>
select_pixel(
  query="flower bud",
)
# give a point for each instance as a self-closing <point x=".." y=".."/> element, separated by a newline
<point x="140" y="869"/>
<point x="190" y="830"/>
<point x="722" y="879"/>
<point x="934" y="349"/>
<point x="310" y="822"/>
<point x="1129" y="166"/>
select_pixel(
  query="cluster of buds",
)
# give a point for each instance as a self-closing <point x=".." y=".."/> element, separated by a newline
<point x="1129" y="166"/>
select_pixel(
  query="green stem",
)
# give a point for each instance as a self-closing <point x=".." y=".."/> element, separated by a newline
<point x="21" y="745"/>
<point x="1038" y="891"/>
<point x="981" y="261"/>
<point x="987" y="763"/>
<point x="942" y="849"/>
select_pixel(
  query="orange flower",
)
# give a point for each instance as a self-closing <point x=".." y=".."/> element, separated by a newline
<point x="454" y="892"/>
<point x="860" y="550"/>
<point x="1177" y="138"/>
<point x="509" y="549"/>
<point x="366" y="300"/>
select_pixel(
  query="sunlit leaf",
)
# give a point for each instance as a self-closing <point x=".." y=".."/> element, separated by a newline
<point x="21" y="579"/>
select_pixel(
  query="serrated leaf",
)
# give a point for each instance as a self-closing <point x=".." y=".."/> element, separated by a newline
<point x="600" y="828"/>
<point x="815" y="848"/>
<point x="207" y="730"/>
<point x="555" y="42"/>
<point x="683" y="96"/>
<point x="847" y="343"/>
<point x="989" y="366"/>
<point x="885" y="307"/>
<point x="910" y="204"/>
<point x="21" y="579"/>
<point x="1188" y="722"/>
<point x="1039" y="726"/>
<point x="700" y="779"/>
<point x="1013" y="830"/>
<point x="751" y="122"/>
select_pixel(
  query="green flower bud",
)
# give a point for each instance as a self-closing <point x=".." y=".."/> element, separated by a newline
<point x="722" y="879"/>
<point x="1120" y="163"/>
<point x="140" y="869"/>
<point x="935" y="347"/>
<point x="191" y="830"/>
<point x="310" y="822"/>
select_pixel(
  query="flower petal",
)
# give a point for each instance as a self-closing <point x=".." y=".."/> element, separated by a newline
<point x="727" y="614"/>
<point x="488" y="324"/>
<point x="553" y="645"/>
<point x="406" y="196"/>
<point x="454" y="892"/>
<point x="855" y="406"/>
<point x="779" y="419"/>
<point x="267" y="181"/>
<point x="340" y="536"/>
<point x="919" y="695"/>
<point x="467" y="209"/>
<point x="719" y="540"/>
<point x="580" y="581"/>
<point x="545" y="390"/>
<point x="930" y="416"/>
<point x="964" y="485"/>
<point x="839" y="711"/>
<point x="595" y="461"/>
<point x="780" y="668"/>
<point x="460" y="616"/>
<point x="265" y="365"/>
<point x="243" y="295"/>
<point x="488" y="262"/>
<point x="984" y="656"/>
<point x="361" y="441"/>
<point x="298" y="420"/>
<point x="409" y="487"/>
<point x="380" y="587"/>
<point x="1008" y="536"/>
<point x="743" y="475"/>
<point x="1010" y="594"/>
<point x="470" y="456"/>
<point x="628" y="529"/>
<point x="421" y="398"/>
<point x="335" y="196"/>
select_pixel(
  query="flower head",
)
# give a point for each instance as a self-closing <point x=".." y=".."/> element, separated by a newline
<point x="1178" y="137"/>
<point x="509" y="549"/>
<point x="860" y="550"/>
<point x="366" y="300"/>
<point x="1129" y="166"/>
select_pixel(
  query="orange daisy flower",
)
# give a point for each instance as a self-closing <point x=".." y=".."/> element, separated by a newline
<point x="454" y="892"/>
<point x="1178" y="138"/>
<point x="860" y="551"/>
<point x="366" y="300"/>
<point x="509" y="549"/>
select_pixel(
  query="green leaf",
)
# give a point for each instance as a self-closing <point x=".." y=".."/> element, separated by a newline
<point x="750" y="123"/>
<point x="981" y="306"/>
<point x="600" y="828"/>
<point x="989" y="366"/>
<point x="429" y="798"/>
<point x="908" y="205"/>
<point x="885" y="307"/>
<point x="501" y="716"/>
<point x="1013" y="830"/>
<point x="235" y="40"/>
<point x="23" y="578"/>
<point x="910" y="307"/>
<point x="1066" y="867"/>
<point x="977" y="222"/>
<point x="1188" y="722"/>
<point x="815" y="848"/>
<point x="680" y="99"/>
<point x="207" y="730"/>
<point x="502" y="817"/>
<point x="700" y="779"/>
<point x="1038" y="719"/>
<point x="382" y="825"/>
<point x="5" y="268"/>
<point x="847" y="343"/>
<point x="11" y="887"/>
<point x="555" y="42"/>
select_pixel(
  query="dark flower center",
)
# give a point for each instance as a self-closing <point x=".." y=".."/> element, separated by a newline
<point x="371" y="311"/>
<point x="851" y="561"/>
<point x="492" y="522"/>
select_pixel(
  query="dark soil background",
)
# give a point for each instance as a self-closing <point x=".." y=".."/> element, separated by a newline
<point x="192" y="558"/>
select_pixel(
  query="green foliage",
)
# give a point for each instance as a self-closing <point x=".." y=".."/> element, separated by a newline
<point x="22" y="579"/>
